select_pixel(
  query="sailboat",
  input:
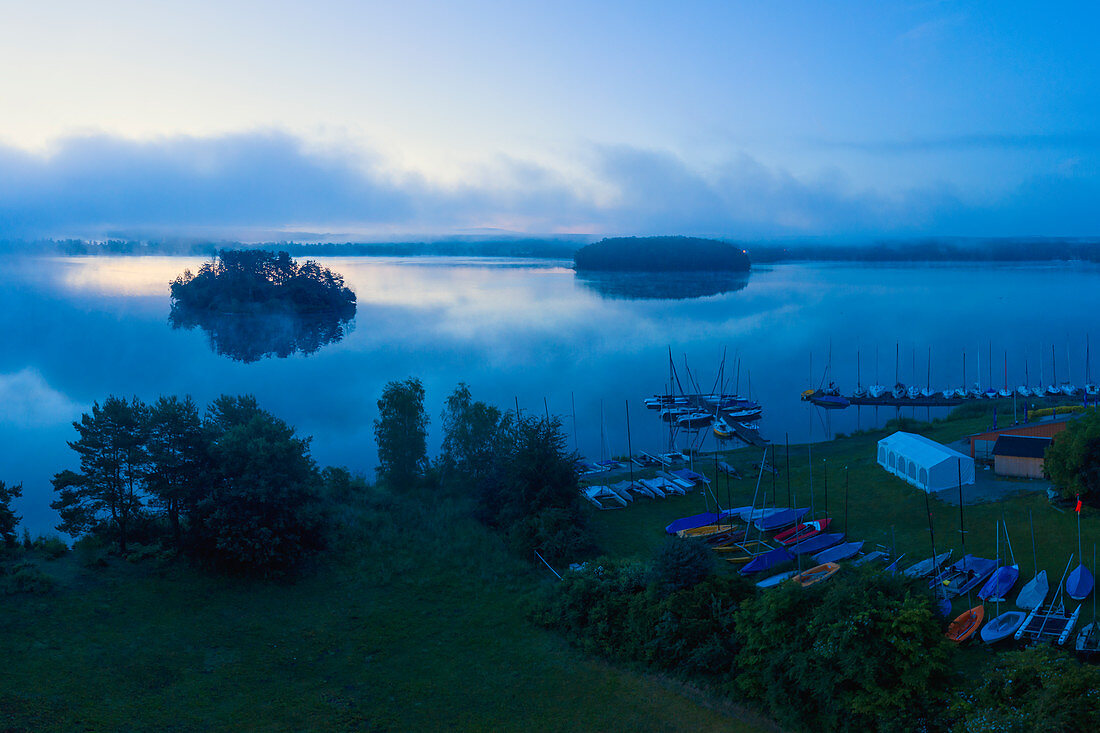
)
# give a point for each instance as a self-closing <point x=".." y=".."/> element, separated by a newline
<point x="965" y="624"/>
<point x="1035" y="590"/>
<point x="928" y="391"/>
<point x="1004" y="577"/>
<point x="1052" y="622"/>
<point x="1080" y="581"/>
<point x="927" y="566"/>
<point x="876" y="390"/>
<point x="1091" y="390"/>
<point x="816" y="574"/>
<point x="1024" y="390"/>
<point x="860" y="390"/>
<point x="1088" y="638"/>
<point x="1005" y="391"/>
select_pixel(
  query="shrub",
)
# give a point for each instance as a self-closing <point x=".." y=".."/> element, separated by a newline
<point x="681" y="564"/>
<point x="25" y="577"/>
<point x="52" y="547"/>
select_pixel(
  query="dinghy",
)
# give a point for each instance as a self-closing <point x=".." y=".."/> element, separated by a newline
<point x="1003" y="626"/>
<point x="802" y="531"/>
<point x="1034" y="592"/>
<point x="1003" y="578"/>
<point x="817" y="543"/>
<point x="707" y="530"/>
<point x="776" y="579"/>
<point x="699" y="520"/>
<point x="816" y="574"/>
<point x="965" y="575"/>
<point x="965" y="624"/>
<point x="927" y="566"/>
<point x="838" y="552"/>
<point x="779" y="519"/>
<point x="1079" y="583"/>
<point x="767" y="561"/>
<point x="871" y="558"/>
<point x="746" y="551"/>
<point x="1088" y="640"/>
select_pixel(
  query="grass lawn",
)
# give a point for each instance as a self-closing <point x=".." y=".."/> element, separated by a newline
<point x="420" y="626"/>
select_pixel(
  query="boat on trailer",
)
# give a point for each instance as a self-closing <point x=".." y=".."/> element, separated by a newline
<point x="1050" y="623"/>
<point x="1003" y="626"/>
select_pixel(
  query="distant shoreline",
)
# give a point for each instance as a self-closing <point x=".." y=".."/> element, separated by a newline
<point x="910" y="251"/>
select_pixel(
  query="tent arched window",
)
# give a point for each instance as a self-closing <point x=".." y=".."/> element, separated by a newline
<point x="892" y="461"/>
<point x="924" y="477"/>
<point x="882" y="455"/>
<point x="913" y="470"/>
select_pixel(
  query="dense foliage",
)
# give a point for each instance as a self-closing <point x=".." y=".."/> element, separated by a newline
<point x="256" y="281"/>
<point x="531" y="491"/>
<point x="401" y="432"/>
<point x="661" y="254"/>
<point x="862" y="652"/>
<point x="1073" y="459"/>
<point x="8" y="518"/>
<point x="237" y="490"/>
<point x="1040" y="689"/>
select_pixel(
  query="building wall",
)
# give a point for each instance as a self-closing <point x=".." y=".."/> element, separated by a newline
<point x="1019" y="467"/>
<point x="981" y="445"/>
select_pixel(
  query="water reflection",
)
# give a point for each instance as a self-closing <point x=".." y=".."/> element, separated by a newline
<point x="662" y="285"/>
<point x="251" y="337"/>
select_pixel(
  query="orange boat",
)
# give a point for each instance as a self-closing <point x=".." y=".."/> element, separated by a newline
<point x="965" y="624"/>
<point x="816" y="574"/>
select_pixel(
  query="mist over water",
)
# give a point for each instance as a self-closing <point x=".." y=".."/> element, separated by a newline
<point x="78" y="329"/>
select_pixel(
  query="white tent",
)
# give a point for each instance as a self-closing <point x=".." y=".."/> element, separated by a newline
<point x="924" y="463"/>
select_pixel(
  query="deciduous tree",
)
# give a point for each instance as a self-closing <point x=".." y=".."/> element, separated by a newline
<point x="401" y="431"/>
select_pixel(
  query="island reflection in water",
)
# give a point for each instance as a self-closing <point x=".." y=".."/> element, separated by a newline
<point x="662" y="285"/>
<point x="249" y="337"/>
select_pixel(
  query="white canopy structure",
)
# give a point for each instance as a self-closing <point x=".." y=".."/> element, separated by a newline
<point x="924" y="463"/>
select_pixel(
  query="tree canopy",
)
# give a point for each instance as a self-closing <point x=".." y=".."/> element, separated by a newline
<point x="661" y="254"/>
<point x="401" y="432"/>
<point x="1073" y="458"/>
<point x="8" y="518"/>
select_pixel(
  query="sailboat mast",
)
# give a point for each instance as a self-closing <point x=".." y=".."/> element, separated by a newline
<point x="928" y="378"/>
<point x="630" y="448"/>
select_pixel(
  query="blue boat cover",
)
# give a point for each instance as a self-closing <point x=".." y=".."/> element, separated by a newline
<point x="697" y="520"/>
<point x="780" y="519"/>
<point x="817" y="543"/>
<point x="766" y="561"/>
<point x="838" y="552"/>
<point x="1000" y="583"/>
<point x="1079" y="583"/>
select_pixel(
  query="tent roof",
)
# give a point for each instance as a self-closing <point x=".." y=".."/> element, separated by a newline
<point x="1020" y="446"/>
<point x="923" y="450"/>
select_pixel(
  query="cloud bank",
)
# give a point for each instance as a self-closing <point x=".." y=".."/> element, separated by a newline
<point x="274" y="181"/>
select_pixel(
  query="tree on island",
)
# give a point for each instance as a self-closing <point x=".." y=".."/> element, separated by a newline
<point x="256" y="281"/>
<point x="661" y="254"/>
<point x="401" y="432"/>
<point x="254" y="304"/>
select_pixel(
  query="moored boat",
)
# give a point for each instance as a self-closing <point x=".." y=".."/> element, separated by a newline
<point x="815" y="574"/>
<point x="1003" y="626"/>
<point x="965" y="624"/>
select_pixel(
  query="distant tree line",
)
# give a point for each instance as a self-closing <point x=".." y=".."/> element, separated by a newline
<point x="256" y="281"/>
<point x="235" y="488"/>
<point x="661" y="254"/>
<point x="934" y="250"/>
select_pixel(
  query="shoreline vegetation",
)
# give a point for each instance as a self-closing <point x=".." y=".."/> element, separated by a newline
<point x="429" y="577"/>
<point x="930" y="249"/>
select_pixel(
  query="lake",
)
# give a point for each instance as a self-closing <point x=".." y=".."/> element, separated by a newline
<point x="78" y="329"/>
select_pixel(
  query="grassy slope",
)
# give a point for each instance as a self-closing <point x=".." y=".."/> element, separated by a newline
<point x="421" y="628"/>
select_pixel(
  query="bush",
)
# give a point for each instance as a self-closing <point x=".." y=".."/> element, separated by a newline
<point x="90" y="551"/>
<point x="25" y="577"/>
<point x="52" y="547"/>
<point x="553" y="532"/>
<point x="1040" y="689"/>
<point x="681" y="564"/>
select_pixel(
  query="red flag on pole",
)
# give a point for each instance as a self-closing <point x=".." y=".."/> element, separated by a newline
<point x="1078" y="507"/>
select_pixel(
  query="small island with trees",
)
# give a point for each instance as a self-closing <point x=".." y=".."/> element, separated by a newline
<point x="256" y="281"/>
<point x="661" y="254"/>
<point x="255" y="304"/>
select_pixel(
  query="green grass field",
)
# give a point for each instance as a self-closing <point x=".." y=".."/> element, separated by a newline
<point x="416" y="627"/>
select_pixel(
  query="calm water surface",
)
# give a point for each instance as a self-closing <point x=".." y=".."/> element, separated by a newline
<point x="78" y="329"/>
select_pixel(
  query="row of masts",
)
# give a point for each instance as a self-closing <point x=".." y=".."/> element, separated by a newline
<point x="913" y="391"/>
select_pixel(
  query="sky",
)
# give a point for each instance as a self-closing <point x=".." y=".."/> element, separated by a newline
<point x="341" y="120"/>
